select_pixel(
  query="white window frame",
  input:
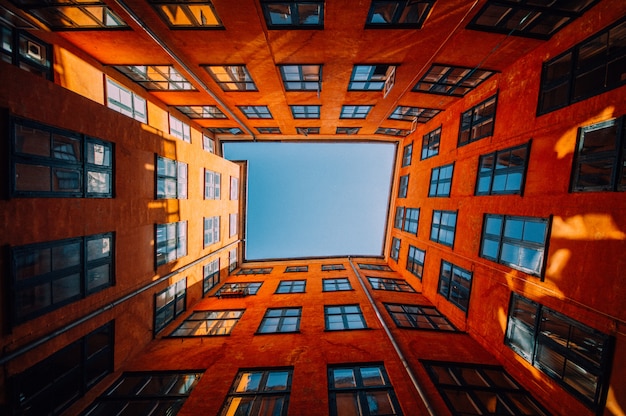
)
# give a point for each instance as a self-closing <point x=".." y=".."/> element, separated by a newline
<point x="126" y="102"/>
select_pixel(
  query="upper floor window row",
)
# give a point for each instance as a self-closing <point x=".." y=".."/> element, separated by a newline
<point x="478" y="122"/>
<point x="125" y="101"/>
<point x="171" y="179"/>
<point x="592" y="67"/>
<point x="398" y="14"/>
<point x="293" y="14"/>
<point x="156" y="77"/>
<point x="187" y="15"/>
<point x="73" y="14"/>
<point x="51" y="162"/>
<point x="26" y="52"/>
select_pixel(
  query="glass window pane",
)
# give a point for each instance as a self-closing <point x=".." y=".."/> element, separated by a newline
<point x="249" y="382"/>
<point x="372" y="376"/>
<point x="277" y="380"/>
<point x="343" y="378"/>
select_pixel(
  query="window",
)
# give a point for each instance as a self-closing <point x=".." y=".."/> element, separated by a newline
<point x="331" y="267"/>
<point x="418" y="114"/>
<point x="164" y="392"/>
<point x="171" y="179"/>
<point x="291" y="286"/>
<point x="256" y="270"/>
<point x="392" y="132"/>
<point x="171" y="242"/>
<point x="291" y="269"/>
<point x="73" y="14"/>
<point x="418" y="317"/>
<point x="259" y="392"/>
<point x="238" y="289"/>
<point x="455" y="284"/>
<point x="208" y="144"/>
<point x="395" y="249"/>
<point x="47" y="276"/>
<point x="301" y="77"/>
<point x="293" y="14"/>
<point x="361" y="389"/>
<point x="443" y="227"/>
<point x="503" y="172"/>
<point x="441" y="181"/>
<point x="212" y="184"/>
<point x="280" y="320"/>
<point x="370" y="77"/>
<point x="399" y="218"/>
<point x="407" y="155"/>
<point x="398" y="14"/>
<point x="232" y="260"/>
<point x="233" y="224"/>
<point x="404" y="186"/>
<point x="232" y="77"/>
<point x="156" y="77"/>
<point x="305" y="111"/>
<point x="411" y="219"/>
<point x="307" y="130"/>
<point x="50" y="162"/>
<point x="380" y="267"/>
<point x="234" y="188"/>
<point x="31" y="54"/>
<point x="53" y="384"/>
<point x="480" y="389"/>
<point x="211" y="230"/>
<point x="235" y="131"/>
<point x="518" y="242"/>
<point x="394" y="285"/>
<point x="201" y="111"/>
<point x="208" y="323"/>
<point x="600" y="159"/>
<point x="451" y="80"/>
<point x="415" y="261"/>
<point x="355" y="111"/>
<point x="182" y="14"/>
<point x="179" y="129"/>
<point x="269" y="130"/>
<point x="169" y="303"/>
<point x="343" y="317"/>
<point x="211" y="273"/>
<point x="255" y="111"/>
<point x="336" y="285"/>
<point x="347" y="130"/>
<point x="592" y="67"/>
<point x="430" y="143"/>
<point x="576" y="356"/>
<point x="478" y="122"/>
<point x="126" y="102"/>
<point x="527" y="18"/>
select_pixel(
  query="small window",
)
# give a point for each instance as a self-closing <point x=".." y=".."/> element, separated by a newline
<point x="502" y="172"/>
<point x="181" y="14"/>
<point x="32" y="54"/>
<point x="171" y="179"/>
<point x="291" y="286"/>
<point x="307" y="130"/>
<point x="208" y="144"/>
<point x="293" y="14"/>
<point x="395" y="249"/>
<point x="208" y="323"/>
<point x="156" y="77"/>
<point x="418" y="114"/>
<point x="232" y="77"/>
<point x="430" y="143"/>
<point x="455" y="284"/>
<point x="370" y="77"/>
<point x="355" y="111"/>
<point x="232" y="260"/>
<point x="268" y="130"/>
<point x="331" y="267"/>
<point x="336" y="285"/>
<point x="305" y="111"/>
<point x="411" y="219"/>
<point x="234" y="131"/>
<point x="379" y="267"/>
<point x="211" y="276"/>
<point x="238" y="289"/>
<point x="344" y="317"/>
<point x="451" y="80"/>
<point x="415" y="261"/>
<point x="259" y="392"/>
<point x="394" y="285"/>
<point x="443" y="227"/>
<point x="404" y="186"/>
<point x="301" y="77"/>
<point x="478" y="122"/>
<point x="407" y="155"/>
<point x="392" y="131"/>
<point x="201" y="111"/>
<point x="419" y="317"/>
<point x="179" y="129"/>
<point x="291" y="269"/>
<point x="211" y="230"/>
<point x="233" y="224"/>
<point x="255" y="270"/>
<point x="255" y="111"/>
<point x="169" y="304"/>
<point x="399" y="218"/>
<point x="397" y="14"/>
<point x="441" y="181"/>
<point x="212" y="184"/>
<point x="282" y="320"/>
<point x="347" y="130"/>
<point x="234" y="188"/>
<point x="171" y="242"/>
<point x="63" y="16"/>
<point x="126" y="102"/>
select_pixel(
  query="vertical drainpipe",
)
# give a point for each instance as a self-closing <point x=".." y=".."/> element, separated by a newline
<point x="396" y="347"/>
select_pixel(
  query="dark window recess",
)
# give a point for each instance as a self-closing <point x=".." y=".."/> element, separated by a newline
<point x="503" y="172"/>
<point x="478" y="122"/>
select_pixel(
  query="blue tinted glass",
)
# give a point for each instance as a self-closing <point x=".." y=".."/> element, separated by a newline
<point x="277" y="380"/>
<point x="280" y="14"/>
<point x="531" y="259"/>
<point x="513" y="228"/>
<point x="490" y="249"/>
<point x="493" y="225"/>
<point x="309" y="14"/>
<point x="510" y="254"/>
<point x="499" y="183"/>
<point x="534" y="231"/>
<point x="483" y="184"/>
<point x="514" y="182"/>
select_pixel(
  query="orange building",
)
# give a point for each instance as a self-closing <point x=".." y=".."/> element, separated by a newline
<point x="125" y="287"/>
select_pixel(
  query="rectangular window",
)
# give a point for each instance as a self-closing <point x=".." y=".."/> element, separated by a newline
<point x="208" y="323"/>
<point x="478" y="121"/>
<point x="441" y="181"/>
<point x="576" y="356"/>
<point x="232" y="260"/>
<point x="255" y="111"/>
<point x="518" y="242"/>
<point x="411" y="219"/>
<point x="259" y="392"/>
<point x="451" y="80"/>
<point x="238" y="289"/>
<point x="208" y="144"/>
<point x="307" y="130"/>
<point x="590" y="68"/>
<point x="280" y="320"/>
<point x="211" y="276"/>
<point x="600" y="158"/>
<point x="336" y="285"/>
<point x="179" y="129"/>
<point x="234" y="131"/>
<point x="503" y="172"/>
<point x="171" y="242"/>
<point x="355" y="111"/>
<point x="443" y="227"/>
<point x="156" y="77"/>
<point x="47" y="276"/>
<point x="379" y="267"/>
<point x="331" y="267"/>
<point x="291" y="286"/>
<point x="395" y="249"/>
<point x="201" y="111"/>
<point x="292" y="269"/>
<point x="181" y="14"/>
<point x="394" y="285"/>
<point x="407" y="155"/>
<point x="126" y="102"/>
<point x="455" y="284"/>
<point x="347" y="130"/>
<point x="344" y="317"/>
<point x="234" y="188"/>
<point x="398" y="14"/>
<point x="55" y="383"/>
<point x="255" y="270"/>
<point x="211" y="230"/>
<point x="417" y="114"/>
<point x="371" y="77"/>
<point x="301" y="77"/>
<point x="164" y="392"/>
<point x="268" y="130"/>
<point x="293" y="14"/>
<point x="64" y="16"/>
<point x="305" y="111"/>
<point x="430" y="143"/>
<point x="169" y="303"/>
<point x="362" y="389"/>
<point x="399" y="218"/>
<point x="233" y="224"/>
<point x="50" y="162"/>
<point x="404" y="186"/>
<point x="392" y="131"/>
<point x="481" y="388"/>
<point x="31" y="54"/>
<point x="418" y="317"/>
<point x="171" y="179"/>
<point x="415" y="261"/>
<point x="212" y="184"/>
<point x="232" y="77"/>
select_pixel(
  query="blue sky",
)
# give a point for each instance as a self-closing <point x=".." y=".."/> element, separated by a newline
<point x="315" y="199"/>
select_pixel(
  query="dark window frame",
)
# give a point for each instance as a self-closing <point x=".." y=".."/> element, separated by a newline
<point x="374" y="81"/>
<point x="359" y="111"/>
<point x="477" y="119"/>
<point x="488" y="174"/>
<point x="205" y="318"/>
<point x="212" y="228"/>
<point x="202" y="112"/>
<point x="305" y="84"/>
<point x="257" y="397"/>
<point x="347" y="130"/>
<point x="291" y="286"/>
<point x="411" y="220"/>
<point x="430" y="143"/>
<point x="268" y="130"/>
<point x="343" y="312"/>
<point x="438" y="228"/>
<point x="172" y="308"/>
<point x="302" y="111"/>
<point x="239" y="289"/>
<point x="390" y="284"/>
<point x="394" y="21"/>
<point x="49" y="13"/>
<point x="336" y="284"/>
<point x="378" y="267"/>
<point x="256" y="112"/>
<point x="413" y="114"/>
<point x="162" y="177"/>
<point x="438" y="80"/>
<point x="156" y="77"/>
<point x="28" y="52"/>
<point x="179" y="248"/>
<point x="441" y="187"/>
<point x="332" y="267"/>
<point x="254" y="270"/>
<point x="451" y="286"/>
<point x="403" y="186"/>
<point x="394" y="252"/>
<point x="210" y="276"/>
<point x="294" y="12"/>
<point x="296" y="269"/>
<point x="282" y="319"/>
<point x="185" y="8"/>
<point x="414" y="263"/>
<point x="241" y="85"/>
<point x="407" y="155"/>
<point x="419" y="317"/>
<point x="398" y="222"/>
